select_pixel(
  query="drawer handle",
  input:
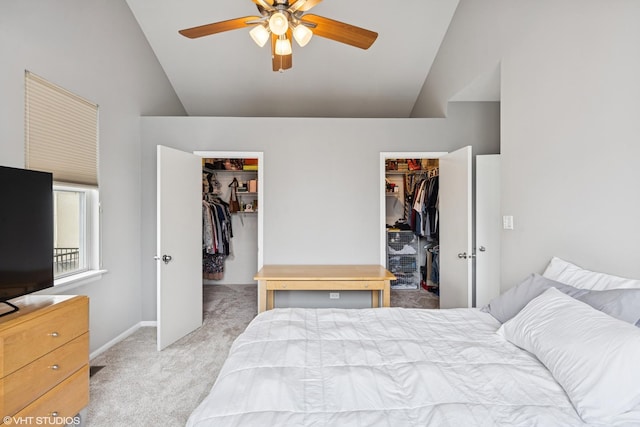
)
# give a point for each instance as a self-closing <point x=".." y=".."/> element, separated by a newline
<point x="54" y="334"/>
<point x="54" y="414"/>
<point x="55" y="367"/>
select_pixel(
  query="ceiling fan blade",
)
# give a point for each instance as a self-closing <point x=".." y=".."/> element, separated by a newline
<point x="341" y="32"/>
<point x="280" y="62"/>
<point x="303" y="5"/>
<point x="267" y="4"/>
<point x="218" y="27"/>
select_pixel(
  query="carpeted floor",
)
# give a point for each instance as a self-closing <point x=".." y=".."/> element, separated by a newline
<point x="135" y="385"/>
<point x="409" y="298"/>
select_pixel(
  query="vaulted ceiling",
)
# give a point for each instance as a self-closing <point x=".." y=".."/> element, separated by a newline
<point x="227" y="74"/>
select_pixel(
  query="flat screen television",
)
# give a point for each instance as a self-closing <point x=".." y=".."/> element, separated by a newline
<point x="26" y="233"/>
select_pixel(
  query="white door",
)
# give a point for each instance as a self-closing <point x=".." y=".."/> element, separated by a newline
<point x="455" y="218"/>
<point x="179" y="243"/>
<point x="488" y="228"/>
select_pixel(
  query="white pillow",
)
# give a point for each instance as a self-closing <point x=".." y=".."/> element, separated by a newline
<point x="593" y="356"/>
<point x="570" y="274"/>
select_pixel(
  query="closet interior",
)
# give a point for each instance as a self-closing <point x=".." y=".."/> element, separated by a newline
<point x="229" y="220"/>
<point x="412" y="226"/>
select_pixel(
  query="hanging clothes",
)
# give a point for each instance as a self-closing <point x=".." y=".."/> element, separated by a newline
<point x="424" y="213"/>
<point x="431" y="209"/>
<point x="435" y="265"/>
<point x="216" y="236"/>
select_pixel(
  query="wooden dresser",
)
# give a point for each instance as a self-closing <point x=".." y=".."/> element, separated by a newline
<point x="44" y="360"/>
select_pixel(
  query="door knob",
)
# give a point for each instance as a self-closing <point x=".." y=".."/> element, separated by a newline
<point x="165" y="258"/>
<point x="462" y="255"/>
<point x="482" y="249"/>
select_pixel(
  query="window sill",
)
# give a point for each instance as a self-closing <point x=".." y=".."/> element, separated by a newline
<point x="65" y="284"/>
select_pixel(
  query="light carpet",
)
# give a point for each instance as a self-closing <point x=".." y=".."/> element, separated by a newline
<point x="140" y="386"/>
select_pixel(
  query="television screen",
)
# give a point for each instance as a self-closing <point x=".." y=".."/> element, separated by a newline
<point x="26" y="232"/>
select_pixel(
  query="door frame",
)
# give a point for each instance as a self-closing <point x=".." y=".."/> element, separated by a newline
<point x="247" y="155"/>
<point x="384" y="155"/>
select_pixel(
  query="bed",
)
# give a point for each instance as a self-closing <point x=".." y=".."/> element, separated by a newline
<point x="415" y="367"/>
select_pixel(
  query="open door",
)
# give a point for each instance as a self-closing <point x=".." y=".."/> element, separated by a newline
<point x="179" y="242"/>
<point x="455" y="218"/>
<point x="488" y="228"/>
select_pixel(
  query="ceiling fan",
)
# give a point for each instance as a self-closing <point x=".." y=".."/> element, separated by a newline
<point x="282" y="20"/>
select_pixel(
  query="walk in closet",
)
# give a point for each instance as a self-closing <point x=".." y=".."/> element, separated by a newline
<point x="412" y="223"/>
<point x="230" y="205"/>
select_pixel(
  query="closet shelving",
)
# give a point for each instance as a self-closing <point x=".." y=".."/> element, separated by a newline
<point x="225" y="180"/>
<point x="236" y="171"/>
<point x="244" y="197"/>
<point x="411" y="241"/>
<point x="252" y="197"/>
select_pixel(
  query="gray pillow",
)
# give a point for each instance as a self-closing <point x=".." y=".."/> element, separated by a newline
<point x="623" y="304"/>
<point x="508" y="304"/>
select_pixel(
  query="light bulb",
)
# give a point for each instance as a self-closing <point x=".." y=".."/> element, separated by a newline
<point x="278" y="23"/>
<point x="283" y="47"/>
<point x="302" y="35"/>
<point x="260" y="35"/>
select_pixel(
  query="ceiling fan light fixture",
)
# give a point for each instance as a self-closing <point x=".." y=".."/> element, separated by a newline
<point x="302" y="34"/>
<point x="260" y="35"/>
<point x="283" y="47"/>
<point x="278" y="23"/>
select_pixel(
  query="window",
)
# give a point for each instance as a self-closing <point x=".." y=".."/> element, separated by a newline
<point x="69" y="237"/>
<point x="61" y="136"/>
<point x="75" y="218"/>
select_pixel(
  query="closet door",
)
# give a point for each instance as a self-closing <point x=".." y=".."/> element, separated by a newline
<point x="488" y="228"/>
<point x="455" y="218"/>
<point x="179" y="240"/>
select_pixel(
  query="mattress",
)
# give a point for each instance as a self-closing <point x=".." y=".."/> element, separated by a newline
<point x="381" y="367"/>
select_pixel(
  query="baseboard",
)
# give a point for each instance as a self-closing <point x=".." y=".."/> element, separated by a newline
<point x="148" y="324"/>
<point x="125" y="334"/>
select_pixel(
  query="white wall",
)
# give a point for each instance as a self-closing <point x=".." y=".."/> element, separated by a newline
<point x="480" y="34"/>
<point x="321" y="176"/>
<point x="570" y="147"/>
<point x="95" y="49"/>
<point x="569" y="124"/>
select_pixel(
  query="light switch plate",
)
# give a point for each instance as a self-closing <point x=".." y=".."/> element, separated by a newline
<point x="507" y="222"/>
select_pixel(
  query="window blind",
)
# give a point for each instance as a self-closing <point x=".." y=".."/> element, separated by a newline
<point x="61" y="132"/>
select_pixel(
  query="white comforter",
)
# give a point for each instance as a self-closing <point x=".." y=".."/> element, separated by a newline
<point x="381" y="367"/>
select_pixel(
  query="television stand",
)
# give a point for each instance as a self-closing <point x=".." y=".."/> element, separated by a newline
<point x="14" y="308"/>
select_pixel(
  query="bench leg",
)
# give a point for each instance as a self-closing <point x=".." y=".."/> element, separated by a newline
<point x="262" y="296"/>
<point x="386" y="294"/>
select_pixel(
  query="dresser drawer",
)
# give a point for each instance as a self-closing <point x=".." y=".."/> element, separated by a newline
<point x="33" y="380"/>
<point x="61" y="403"/>
<point x="38" y="336"/>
